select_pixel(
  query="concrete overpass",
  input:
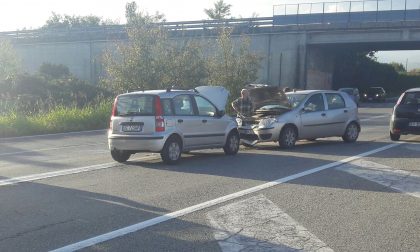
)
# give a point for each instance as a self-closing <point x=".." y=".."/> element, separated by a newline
<point x="298" y="55"/>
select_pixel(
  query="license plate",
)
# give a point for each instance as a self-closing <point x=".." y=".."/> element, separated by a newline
<point x="414" y="124"/>
<point x="132" y="128"/>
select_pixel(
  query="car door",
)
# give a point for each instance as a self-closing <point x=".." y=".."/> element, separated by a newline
<point x="186" y="120"/>
<point x="337" y="114"/>
<point x="313" y="117"/>
<point x="213" y="127"/>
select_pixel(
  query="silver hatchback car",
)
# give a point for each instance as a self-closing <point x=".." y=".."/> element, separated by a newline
<point x="309" y="114"/>
<point x="171" y="122"/>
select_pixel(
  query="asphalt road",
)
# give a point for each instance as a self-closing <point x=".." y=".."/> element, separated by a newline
<point x="65" y="192"/>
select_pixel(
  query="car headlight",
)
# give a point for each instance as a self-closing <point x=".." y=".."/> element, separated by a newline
<point x="239" y="121"/>
<point x="377" y="95"/>
<point x="267" y="122"/>
<point x="365" y="95"/>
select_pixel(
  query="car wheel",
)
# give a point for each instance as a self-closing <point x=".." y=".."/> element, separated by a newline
<point x="288" y="137"/>
<point x="171" y="152"/>
<point x="351" y="134"/>
<point x="120" y="155"/>
<point x="394" y="137"/>
<point x="232" y="144"/>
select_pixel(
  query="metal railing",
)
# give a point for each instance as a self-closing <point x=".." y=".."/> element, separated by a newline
<point x="347" y="11"/>
<point x="120" y="31"/>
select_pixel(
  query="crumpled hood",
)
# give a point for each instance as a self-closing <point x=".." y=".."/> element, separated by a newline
<point x="268" y="95"/>
<point x="216" y="94"/>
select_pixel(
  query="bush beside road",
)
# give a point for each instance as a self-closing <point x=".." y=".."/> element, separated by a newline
<point x="58" y="120"/>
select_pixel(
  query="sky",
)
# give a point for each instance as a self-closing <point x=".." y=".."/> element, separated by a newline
<point x="32" y="14"/>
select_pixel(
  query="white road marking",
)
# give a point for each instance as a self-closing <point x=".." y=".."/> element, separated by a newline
<point x="401" y="180"/>
<point x="39" y="176"/>
<point x="374" y="117"/>
<point x="169" y="216"/>
<point x="48" y="149"/>
<point x="257" y="224"/>
<point x="55" y="134"/>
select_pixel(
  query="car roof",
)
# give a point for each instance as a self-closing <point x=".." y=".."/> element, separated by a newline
<point x="413" y="90"/>
<point x="161" y="93"/>
<point x="312" y="91"/>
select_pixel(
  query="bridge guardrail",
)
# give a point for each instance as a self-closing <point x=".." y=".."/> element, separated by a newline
<point x="346" y="12"/>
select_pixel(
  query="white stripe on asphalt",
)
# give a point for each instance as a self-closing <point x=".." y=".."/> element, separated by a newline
<point x="374" y="117"/>
<point x="401" y="180"/>
<point x="169" y="216"/>
<point x="49" y="149"/>
<point x="39" y="176"/>
<point x="257" y="224"/>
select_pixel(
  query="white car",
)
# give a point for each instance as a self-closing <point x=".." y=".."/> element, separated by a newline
<point x="308" y="114"/>
<point x="171" y="122"/>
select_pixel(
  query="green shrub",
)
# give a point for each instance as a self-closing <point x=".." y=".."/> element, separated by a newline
<point x="60" y="119"/>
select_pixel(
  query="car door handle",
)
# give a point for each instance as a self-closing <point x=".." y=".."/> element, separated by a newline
<point x="204" y="121"/>
<point x="180" y="120"/>
<point x="323" y="114"/>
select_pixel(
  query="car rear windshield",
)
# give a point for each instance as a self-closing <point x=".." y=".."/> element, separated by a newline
<point x="411" y="98"/>
<point x="135" y="105"/>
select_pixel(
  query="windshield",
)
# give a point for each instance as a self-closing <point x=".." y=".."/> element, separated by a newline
<point x="135" y="105"/>
<point x="295" y="99"/>
<point x="375" y="90"/>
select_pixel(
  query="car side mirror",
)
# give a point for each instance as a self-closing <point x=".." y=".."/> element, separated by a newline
<point x="220" y="113"/>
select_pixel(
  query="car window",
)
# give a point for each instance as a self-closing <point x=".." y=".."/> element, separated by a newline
<point x="183" y="105"/>
<point x="411" y="98"/>
<point x="315" y="103"/>
<point x="166" y="107"/>
<point x="335" y="101"/>
<point x="129" y="105"/>
<point x="295" y="99"/>
<point x="205" y="108"/>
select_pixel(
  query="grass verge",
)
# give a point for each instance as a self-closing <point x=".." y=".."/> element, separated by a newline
<point x="59" y="120"/>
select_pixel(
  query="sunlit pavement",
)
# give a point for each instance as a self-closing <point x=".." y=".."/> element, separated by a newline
<point x="65" y="192"/>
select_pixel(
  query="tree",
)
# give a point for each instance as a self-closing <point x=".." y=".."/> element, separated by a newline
<point x="54" y="71"/>
<point x="220" y="10"/>
<point x="398" y="67"/>
<point x="232" y="67"/>
<point x="67" y="21"/>
<point x="150" y="60"/>
<point x="9" y="61"/>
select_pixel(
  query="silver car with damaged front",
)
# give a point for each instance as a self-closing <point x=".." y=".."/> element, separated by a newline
<point x="308" y="114"/>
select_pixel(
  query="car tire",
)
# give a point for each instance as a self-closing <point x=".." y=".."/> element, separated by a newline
<point x="171" y="152"/>
<point x="352" y="133"/>
<point x="232" y="143"/>
<point x="288" y="137"/>
<point x="120" y="155"/>
<point x="394" y="137"/>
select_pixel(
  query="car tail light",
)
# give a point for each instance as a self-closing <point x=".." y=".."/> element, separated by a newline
<point x="113" y="113"/>
<point x="159" y="120"/>
<point x="114" y="108"/>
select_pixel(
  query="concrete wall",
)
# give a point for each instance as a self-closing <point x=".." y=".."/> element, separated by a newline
<point x="297" y="57"/>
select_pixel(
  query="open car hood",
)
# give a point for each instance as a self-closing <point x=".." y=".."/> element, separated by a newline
<point x="264" y="95"/>
<point x="216" y="94"/>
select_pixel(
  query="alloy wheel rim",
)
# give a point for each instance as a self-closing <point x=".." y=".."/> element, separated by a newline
<point x="290" y="137"/>
<point x="352" y="132"/>
<point x="234" y="143"/>
<point x="174" y="151"/>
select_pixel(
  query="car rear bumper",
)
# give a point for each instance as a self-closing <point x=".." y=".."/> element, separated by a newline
<point x="401" y="126"/>
<point x="152" y="143"/>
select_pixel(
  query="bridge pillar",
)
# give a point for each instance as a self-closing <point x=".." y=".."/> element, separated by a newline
<point x="319" y="68"/>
